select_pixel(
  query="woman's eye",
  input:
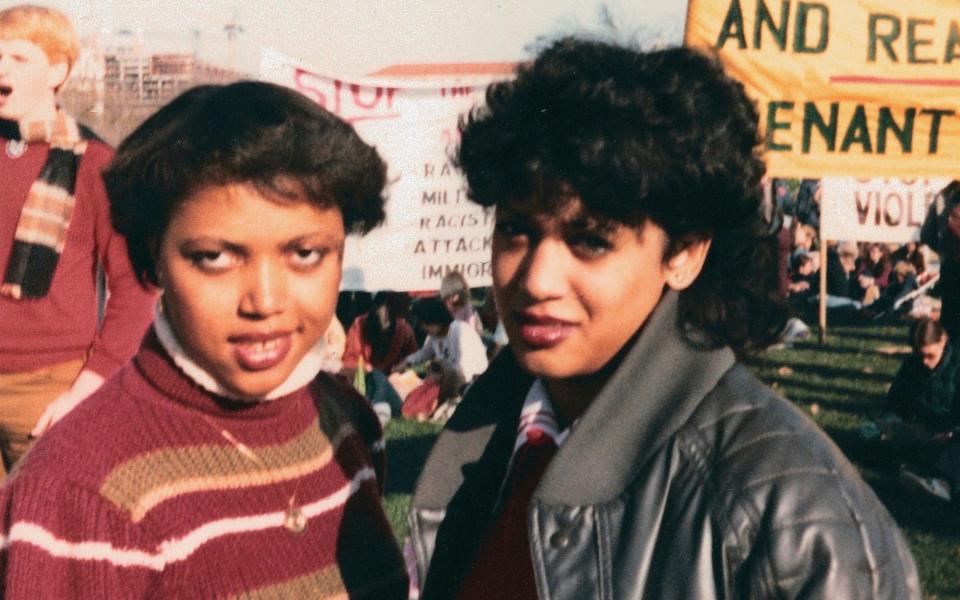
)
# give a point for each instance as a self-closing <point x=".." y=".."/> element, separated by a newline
<point x="510" y="228"/>
<point x="307" y="257"/>
<point x="214" y="260"/>
<point x="590" y="245"/>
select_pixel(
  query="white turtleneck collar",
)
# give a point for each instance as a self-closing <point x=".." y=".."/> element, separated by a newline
<point x="305" y="371"/>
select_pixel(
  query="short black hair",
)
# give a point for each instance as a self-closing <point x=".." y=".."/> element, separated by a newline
<point x="432" y="311"/>
<point x="926" y="331"/>
<point x="662" y="136"/>
<point x="272" y="137"/>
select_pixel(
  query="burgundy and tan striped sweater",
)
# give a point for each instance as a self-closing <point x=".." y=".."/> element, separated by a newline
<point x="135" y="495"/>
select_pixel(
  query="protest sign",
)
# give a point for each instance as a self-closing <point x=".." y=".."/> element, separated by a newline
<point x="876" y="210"/>
<point x="431" y="227"/>
<point x="855" y="88"/>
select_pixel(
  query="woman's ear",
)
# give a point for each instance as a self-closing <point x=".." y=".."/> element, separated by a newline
<point x="684" y="266"/>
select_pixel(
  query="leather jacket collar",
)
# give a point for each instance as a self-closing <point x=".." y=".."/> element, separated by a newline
<point x="660" y="382"/>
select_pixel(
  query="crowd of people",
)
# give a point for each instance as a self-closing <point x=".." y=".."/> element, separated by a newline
<point x="419" y="376"/>
<point x="218" y="432"/>
<point x="866" y="282"/>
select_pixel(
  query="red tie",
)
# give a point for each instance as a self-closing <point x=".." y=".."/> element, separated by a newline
<point x="502" y="568"/>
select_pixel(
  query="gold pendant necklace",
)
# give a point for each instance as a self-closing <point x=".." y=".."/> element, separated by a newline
<point x="294" y="520"/>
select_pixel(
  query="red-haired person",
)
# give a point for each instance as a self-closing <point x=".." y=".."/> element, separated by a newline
<point x="55" y="233"/>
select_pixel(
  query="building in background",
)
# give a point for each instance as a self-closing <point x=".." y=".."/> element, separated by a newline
<point x="122" y="77"/>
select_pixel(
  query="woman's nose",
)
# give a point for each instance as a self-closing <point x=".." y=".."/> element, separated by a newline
<point x="545" y="271"/>
<point x="265" y="290"/>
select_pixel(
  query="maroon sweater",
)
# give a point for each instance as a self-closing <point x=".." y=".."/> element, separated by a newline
<point x="403" y="343"/>
<point x="62" y="326"/>
<point x="135" y="495"/>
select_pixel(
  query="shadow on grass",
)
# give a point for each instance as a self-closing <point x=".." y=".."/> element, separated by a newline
<point x="853" y="408"/>
<point x="846" y="334"/>
<point x="857" y="400"/>
<point x="821" y="370"/>
<point x="896" y="351"/>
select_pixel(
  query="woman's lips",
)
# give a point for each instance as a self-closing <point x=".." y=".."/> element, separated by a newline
<point x="259" y="352"/>
<point x="542" y="331"/>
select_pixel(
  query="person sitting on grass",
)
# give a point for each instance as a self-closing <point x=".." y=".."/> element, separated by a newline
<point x="923" y="400"/>
<point x="456" y="354"/>
<point x="873" y="271"/>
<point x="221" y="462"/>
<point x="455" y="293"/>
<point x="379" y="340"/>
<point x="450" y="340"/>
<point x="803" y="282"/>
<point x="895" y="300"/>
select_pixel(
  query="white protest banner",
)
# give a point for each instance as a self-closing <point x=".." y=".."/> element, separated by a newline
<point x="876" y="210"/>
<point x="431" y="227"/>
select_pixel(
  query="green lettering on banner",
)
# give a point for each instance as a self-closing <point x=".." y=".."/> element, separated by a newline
<point x="804" y="10"/>
<point x="857" y="132"/>
<point x="903" y="134"/>
<point x="828" y="130"/>
<point x="886" y="39"/>
<point x="953" y="43"/>
<point x="936" y="117"/>
<point x="732" y="26"/>
<point x="764" y="17"/>
<point x="913" y="42"/>
<point x="773" y="125"/>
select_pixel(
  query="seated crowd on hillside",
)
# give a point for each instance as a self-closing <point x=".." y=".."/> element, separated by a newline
<point x="415" y="358"/>
<point x="866" y="282"/>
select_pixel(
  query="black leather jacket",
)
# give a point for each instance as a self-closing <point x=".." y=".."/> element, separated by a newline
<point x="686" y="478"/>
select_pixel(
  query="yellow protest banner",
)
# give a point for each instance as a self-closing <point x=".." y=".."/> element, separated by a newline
<point x="859" y="88"/>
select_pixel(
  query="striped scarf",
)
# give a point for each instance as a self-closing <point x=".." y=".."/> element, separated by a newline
<point x="42" y="228"/>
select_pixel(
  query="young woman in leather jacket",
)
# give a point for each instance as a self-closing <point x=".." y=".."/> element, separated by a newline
<point x="631" y="264"/>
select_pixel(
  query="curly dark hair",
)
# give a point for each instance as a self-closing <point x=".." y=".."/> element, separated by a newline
<point x="664" y="136"/>
<point x="247" y="132"/>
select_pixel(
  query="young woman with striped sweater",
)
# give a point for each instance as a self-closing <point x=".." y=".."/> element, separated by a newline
<point x="218" y="463"/>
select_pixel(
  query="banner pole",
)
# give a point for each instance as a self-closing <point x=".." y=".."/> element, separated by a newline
<point x="822" y="336"/>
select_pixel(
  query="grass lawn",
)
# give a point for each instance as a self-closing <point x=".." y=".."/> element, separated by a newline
<point x="839" y="386"/>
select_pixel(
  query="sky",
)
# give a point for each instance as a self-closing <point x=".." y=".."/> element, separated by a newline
<point x="357" y="37"/>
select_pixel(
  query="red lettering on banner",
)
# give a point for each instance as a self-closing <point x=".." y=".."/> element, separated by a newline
<point x="890" y="209"/>
<point x="863" y="207"/>
<point x="456" y="91"/>
<point x="355" y="90"/>
<point x="450" y="136"/>
<point x="318" y="89"/>
<point x="363" y="102"/>
<point x="893" y="200"/>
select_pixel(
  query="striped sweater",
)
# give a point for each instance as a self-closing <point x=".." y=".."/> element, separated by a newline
<point x="136" y="495"/>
